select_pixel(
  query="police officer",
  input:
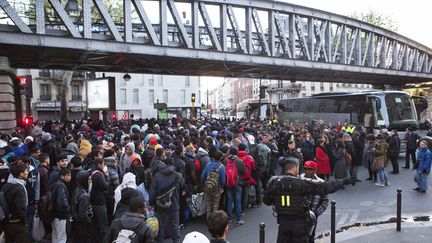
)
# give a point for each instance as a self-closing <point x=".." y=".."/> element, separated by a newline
<point x="287" y="194"/>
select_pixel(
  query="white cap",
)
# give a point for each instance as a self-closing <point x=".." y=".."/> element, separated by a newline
<point x="14" y="139"/>
<point x="195" y="237"/>
<point x="30" y="138"/>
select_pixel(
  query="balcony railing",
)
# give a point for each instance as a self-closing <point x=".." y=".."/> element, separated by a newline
<point x="45" y="97"/>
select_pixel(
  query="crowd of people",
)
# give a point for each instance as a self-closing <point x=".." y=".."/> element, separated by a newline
<point x="99" y="182"/>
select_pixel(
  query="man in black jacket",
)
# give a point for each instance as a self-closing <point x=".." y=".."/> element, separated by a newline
<point x="411" y="147"/>
<point x="61" y="207"/>
<point x="81" y="209"/>
<point x="287" y="194"/>
<point x="393" y="151"/>
<point x="98" y="192"/>
<point x="16" y="230"/>
<point x="132" y="222"/>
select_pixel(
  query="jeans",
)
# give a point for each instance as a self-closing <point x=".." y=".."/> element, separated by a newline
<point x="383" y="176"/>
<point x="59" y="231"/>
<point x="234" y="196"/>
<point x="422" y="180"/>
<point x="168" y="219"/>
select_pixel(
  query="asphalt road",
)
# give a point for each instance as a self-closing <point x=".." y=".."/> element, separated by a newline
<point x="363" y="203"/>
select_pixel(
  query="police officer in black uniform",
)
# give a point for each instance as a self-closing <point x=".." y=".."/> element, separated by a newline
<point x="287" y="194"/>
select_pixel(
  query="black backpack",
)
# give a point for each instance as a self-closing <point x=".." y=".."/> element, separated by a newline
<point x="4" y="205"/>
<point x="46" y="204"/>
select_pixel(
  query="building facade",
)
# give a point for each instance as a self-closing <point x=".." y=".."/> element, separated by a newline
<point x="138" y="95"/>
<point x="46" y="87"/>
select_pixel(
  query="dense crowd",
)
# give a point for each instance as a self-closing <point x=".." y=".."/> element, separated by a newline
<point x="91" y="181"/>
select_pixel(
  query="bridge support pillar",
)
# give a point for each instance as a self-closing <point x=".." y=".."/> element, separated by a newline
<point x="8" y="109"/>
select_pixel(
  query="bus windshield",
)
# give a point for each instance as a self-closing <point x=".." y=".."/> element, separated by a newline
<point x="400" y="109"/>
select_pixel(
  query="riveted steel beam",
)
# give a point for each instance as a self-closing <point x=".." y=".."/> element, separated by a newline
<point x="146" y="22"/>
<point x="183" y="33"/>
<point x="209" y="26"/>
<point x="14" y="16"/>
<point x="108" y="20"/>
<point x="260" y="32"/>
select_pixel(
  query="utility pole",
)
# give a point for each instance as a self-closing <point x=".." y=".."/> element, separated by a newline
<point x="259" y="100"/>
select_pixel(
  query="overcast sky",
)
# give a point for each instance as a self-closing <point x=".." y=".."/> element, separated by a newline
<point x="414" y="17"/>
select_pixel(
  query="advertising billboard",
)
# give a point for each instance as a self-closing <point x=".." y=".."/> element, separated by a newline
<point x="101" y="94"/>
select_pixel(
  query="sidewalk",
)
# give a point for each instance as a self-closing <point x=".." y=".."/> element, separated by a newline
<point x="410" y="232"/>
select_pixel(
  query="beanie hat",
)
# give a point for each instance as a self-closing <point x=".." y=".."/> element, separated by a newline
<point x="310" y="164"/>
<point x="17" y="169"/>
<point x="46" y="136"/>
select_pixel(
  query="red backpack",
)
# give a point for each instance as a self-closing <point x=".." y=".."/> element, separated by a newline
<point x="231" y="173"/>
<point x="197" y="165"/>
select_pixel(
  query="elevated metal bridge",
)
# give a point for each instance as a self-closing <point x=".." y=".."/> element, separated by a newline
<point x="229" y="38"/>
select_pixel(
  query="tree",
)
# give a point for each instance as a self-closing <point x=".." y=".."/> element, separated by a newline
<point x="375" y="18"/>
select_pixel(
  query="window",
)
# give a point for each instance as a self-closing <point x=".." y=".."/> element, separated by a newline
<point x="160" y="81"/>
<point x="187" y="81"/>
<point x="123" y="96"/>
<point x="151" y="96"/>
<point x="75" y="91"/>
<point x="313" y="87"/>
<point x="183" y="96"/>
<point x="321" y="86"/>
<point x="59" y="92"/>
<point x="165" y="96"/>
<point x="135" y="97"/>
<point x="151" y="81"/>
<point x="45" y="92"/>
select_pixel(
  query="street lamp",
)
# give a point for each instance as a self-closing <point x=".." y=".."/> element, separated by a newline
<point x="126" y="77"/>
<point x="71" y="5"/>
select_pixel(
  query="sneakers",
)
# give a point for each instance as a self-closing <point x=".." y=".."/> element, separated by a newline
<point x="422" y="191"/>
<point x="379" y="184"/>
<point x="240" y="223"/>
<point x="386" y="184"/>
<point x="369" y="179"/>
<point x="417" y="189"/>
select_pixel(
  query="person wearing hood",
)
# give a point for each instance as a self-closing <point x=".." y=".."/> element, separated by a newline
<point x="134" y="220"/>
<point x="149" y="152"/>
<point x="48" y="147"/>
<point x="114" y="180"/>
<point x="15" y="143"/>
<point x="123" y="194"/>
<point x="204" y="158"/>
<point x="33" y="191"/>
<point x="85" y="148"/>
<point x="164" y="196"/>
<point x="16" y="229"/>
<point x="81" y="208"/>
<point x="125" y="161"/>
<point x="137" y="168"/>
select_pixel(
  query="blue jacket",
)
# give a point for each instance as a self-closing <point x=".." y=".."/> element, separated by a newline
<point x="209" y="167"/>
<point x="424" y="158"/>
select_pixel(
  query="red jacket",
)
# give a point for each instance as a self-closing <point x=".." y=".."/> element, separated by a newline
<point x="322" y="160"/>
<point x="250" y="165"/>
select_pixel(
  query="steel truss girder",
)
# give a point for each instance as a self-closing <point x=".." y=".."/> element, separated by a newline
<point x="291" y="32"/>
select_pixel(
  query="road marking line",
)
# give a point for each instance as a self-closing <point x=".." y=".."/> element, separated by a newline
<point x="354" y="217"/>
<point x="343" y="219"/>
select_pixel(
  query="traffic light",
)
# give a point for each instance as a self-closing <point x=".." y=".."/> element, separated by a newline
<point x="193" y="97"/>
<point x="114" y="116"/>
<point x="124" y="116"/>
<point x="27" y="121"/>
<point x="25" y="83"/>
